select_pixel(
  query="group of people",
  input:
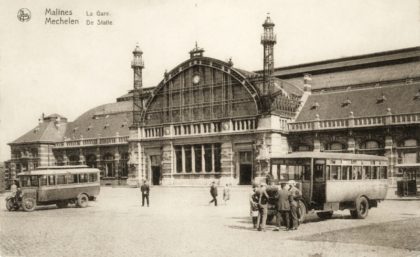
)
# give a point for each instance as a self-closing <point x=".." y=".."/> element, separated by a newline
<point x="213" y="193"/>
<point x="287" y="206"/>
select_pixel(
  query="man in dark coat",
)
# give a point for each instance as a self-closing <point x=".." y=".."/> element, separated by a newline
<point x="145" y="190"/>
<point x="213" y="193"/>
<point x="295" y="195"/>
<point x="262" y="207"/>
<point x="283" y="207"/>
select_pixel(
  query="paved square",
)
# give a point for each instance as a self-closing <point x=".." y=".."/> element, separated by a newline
<point x="180" y="222"/>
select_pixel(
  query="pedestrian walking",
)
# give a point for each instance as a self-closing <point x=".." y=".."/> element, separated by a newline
<point x="145" y="192"/>
<point x="253" y="206"/>
<point x="295" y="195"/>
<point x="262" y="207"/>
<point x="226" y="193"/>
<point x="283" y="207"/>
<point x="213" y="193"/>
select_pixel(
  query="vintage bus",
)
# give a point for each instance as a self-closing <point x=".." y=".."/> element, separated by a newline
<point x="334" y="181"/>
<point x="59" y="185"/>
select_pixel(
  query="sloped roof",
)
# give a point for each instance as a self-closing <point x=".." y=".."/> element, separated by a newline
<point x="363" y="102"/>
<point x="106" y="120"/>
<point x="361" y="76"/>
<point x="47" y="131"/>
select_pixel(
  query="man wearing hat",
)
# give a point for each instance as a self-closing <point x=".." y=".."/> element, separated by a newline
<point x="295" y="195"/>
<point x="283" y="207"/>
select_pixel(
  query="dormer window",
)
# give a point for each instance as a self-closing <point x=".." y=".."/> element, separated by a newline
<point x="75" y="129"/>
<point x="106" y="126"/>
<point x="417" y="95"/>
<point x="381" y="99"/>
<point x="347" y="102"/>
<point x="89" y="128"/>
<point x="315" y="106"/>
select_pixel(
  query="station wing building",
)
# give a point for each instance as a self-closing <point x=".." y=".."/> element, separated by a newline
<point x="209" y="120"/>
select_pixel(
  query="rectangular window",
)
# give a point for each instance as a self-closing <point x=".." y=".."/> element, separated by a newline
<point x="217" y="158"/>
<point x="366" y="172"/>
<point x="61" y="179"/>
<point x="357" y="172"/>
<point x="197" y="152"/>
<point x="383" y="172"/>
<point x="283" y="173"/>
<point x="83" y="178"/>
<point x="319" y="172"/>
<point x="335" y="172"/>
<point x="93" y="177"/>
<point x="34" y="181"/>
<point x="346" y="173"/>
<point x="207" y="157"/>
<point x="187" y="149"/>
<point x="51" y="180"/>
<point x="178" y="157"/>
<point x="72" y="178"/>
<point x="375" y="172"/>
<point x="43" y="180"/>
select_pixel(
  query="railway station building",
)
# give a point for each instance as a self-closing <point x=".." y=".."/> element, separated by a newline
<point x="209" y="120"/>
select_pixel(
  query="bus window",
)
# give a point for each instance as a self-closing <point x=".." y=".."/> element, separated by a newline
<point x="51" y="180"/>
<point x="25" y="180"/>
<point x="367" y="172"/>
<point x="273" y="172"/>
<point x="83" y="178"/>
<point x="307" y="172"/>
<point x="346" y="173"/>
<point x="357" y="172"/>
<point x="375" y="172"/>
<point x="283" y="173"/>
<point x="335" y="172"/>
<point x="319" y="172"/>
<point x="327" y="172"/>
<point x="72" y="178"/>
<point x="61" y="179"/>
<point x="34" y="181"/>
<point x="93" y="177"/>
<point x="43" y="181"/>
<point x="383" y="172"/>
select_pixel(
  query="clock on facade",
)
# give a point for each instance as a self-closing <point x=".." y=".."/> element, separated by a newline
<point x="196" y="79"/>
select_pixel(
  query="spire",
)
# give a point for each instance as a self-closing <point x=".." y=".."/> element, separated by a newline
<point x="268" y="40"/>
<point x="196" y="51"/>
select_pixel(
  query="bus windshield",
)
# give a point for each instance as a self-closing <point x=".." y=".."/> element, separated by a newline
<point x="292" y="169"/>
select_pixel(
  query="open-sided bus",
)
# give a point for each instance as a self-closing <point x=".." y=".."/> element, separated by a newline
<point x="334" y="181"/>
<point x="59" y="185"/>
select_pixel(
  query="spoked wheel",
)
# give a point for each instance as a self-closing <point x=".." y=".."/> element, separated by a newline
<point x="362" y="208"/>
<point x="10" y="205"/>
<point x="28" y="204"/>
<point x="82" y="201"/>
<point x="325" y="214"/>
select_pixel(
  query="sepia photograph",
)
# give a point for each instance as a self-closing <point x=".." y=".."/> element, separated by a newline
<point x="210" y="128"/>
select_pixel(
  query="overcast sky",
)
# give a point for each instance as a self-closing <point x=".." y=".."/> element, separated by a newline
<point x="68" y="69"/>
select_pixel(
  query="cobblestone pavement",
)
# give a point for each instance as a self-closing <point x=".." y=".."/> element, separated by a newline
<point x="180" y="222"/>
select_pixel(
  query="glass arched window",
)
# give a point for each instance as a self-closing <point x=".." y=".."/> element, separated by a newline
<point x="109" y="165"/>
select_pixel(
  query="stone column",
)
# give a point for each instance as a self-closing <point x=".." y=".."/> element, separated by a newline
<point x="117" y="159"/>
<point x="81" y="157"/>
<point x="392" y="157"/>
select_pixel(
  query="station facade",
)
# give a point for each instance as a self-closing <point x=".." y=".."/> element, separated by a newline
<point x="209" y="120"/>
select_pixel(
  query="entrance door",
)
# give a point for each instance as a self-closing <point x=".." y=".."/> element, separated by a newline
<point x="156" y="175"/>
<point x="245" y="174"/>
<point x="245" y="168"/>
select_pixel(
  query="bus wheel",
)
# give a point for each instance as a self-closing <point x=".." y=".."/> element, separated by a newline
<point x="10" y="205"/>
<point x="362" y="208"/>
<point x="62" y="204"/>
<point x="82" y="201"/>
<point x="301" y="212"/>
<point x="325" y="214"/>
<point x="28" y="204"/>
